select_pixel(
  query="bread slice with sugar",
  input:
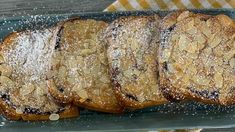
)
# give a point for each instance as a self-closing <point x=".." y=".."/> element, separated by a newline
<point x="24" y="64"/>
<point x="197" y="56"/>
<point x="132" y="53"/>
<point x="81" y="67"/>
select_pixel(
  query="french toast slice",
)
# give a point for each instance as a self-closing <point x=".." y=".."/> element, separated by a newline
<point x="132" y="54"/>
<point x="24" y="66"/>
<point x="196" y="57"/>
<point x="81" y="66"/>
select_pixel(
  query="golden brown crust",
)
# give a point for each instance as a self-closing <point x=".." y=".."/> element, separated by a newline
<point x="89" y="87"/>
<point x="132" y="104"/>
<point x="10" y="113"/>
<point x="190" y="58"/>
<point x="8" y="40"/>
<point x="68" y="113"/>
<point x="58" y="96"/>
<point x="111" y="110"/>
<point x="131" y="73"/>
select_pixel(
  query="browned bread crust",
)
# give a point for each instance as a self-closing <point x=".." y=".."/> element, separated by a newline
<point x="80" y="62"/>
<point x="196" y="57"/>
<point x="10" y="113"/>
<point x="23" y="89"/>
<point x="132" y="50"/>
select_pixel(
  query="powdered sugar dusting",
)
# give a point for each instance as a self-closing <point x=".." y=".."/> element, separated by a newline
<point x="122" y="34"/>
<point x="132" y="53"/>
<point x="30" y="55"/>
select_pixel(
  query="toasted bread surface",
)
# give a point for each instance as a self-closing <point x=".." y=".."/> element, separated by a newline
<point x="24" y="64"/>
<point x="196" y="57"/>
<point x="80" y="62"/>
<point x="132" y="53"/>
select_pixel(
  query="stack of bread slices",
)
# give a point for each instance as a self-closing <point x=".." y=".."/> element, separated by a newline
<point x="130" y="63"/>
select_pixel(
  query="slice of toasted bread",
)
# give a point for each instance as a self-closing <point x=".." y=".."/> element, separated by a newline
<point x="25" y="59"/>
<point x="80" y="62"/>
<point x="197" y="56"/>
<point x="132" y="53"/>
